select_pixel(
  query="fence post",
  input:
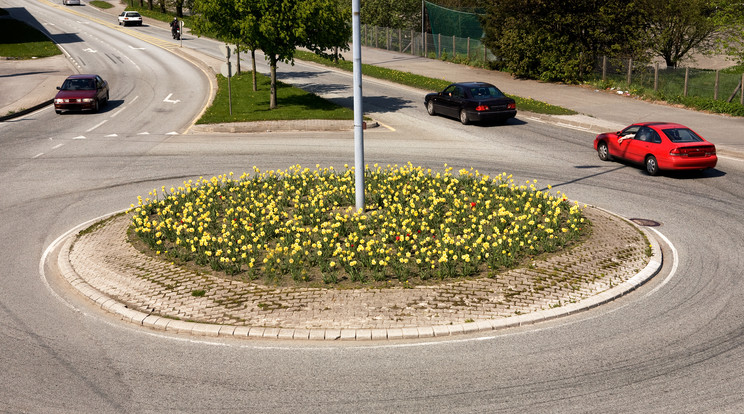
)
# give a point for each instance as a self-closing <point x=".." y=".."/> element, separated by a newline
<point x="400" y="41"/>
<point x="656" y="76"/>
<point x="439" y="45"/>
<point x="375" y="35"/>
<point x="630" y="70"/>
<point x="454" y="47"/>
<point x="365" y="36"/>
<point x="715" y="87"/>
<point x="687" y="76"/>
<point x="426" y="46"/>
<point x="741" y="93"/>
<point x="604" y="68"/>
<point x="485" y="55"/>
<point x="468" y="48"/>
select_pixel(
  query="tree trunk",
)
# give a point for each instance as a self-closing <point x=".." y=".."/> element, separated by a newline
<point x="179" y="10"/>
<point x="149" y="4"/>
<point x="253" y="62"/>
<point x="237" y="56"/>
<point x="272" y="99"/>
<point x="162" y="6"/>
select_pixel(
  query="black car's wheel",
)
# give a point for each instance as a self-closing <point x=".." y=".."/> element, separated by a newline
<point x="652" y="166"/>
<point x="464" y="117"/>
<point x="430" y="108"/>
<point x="106" y="100"/>
<point x="603" y="152"/>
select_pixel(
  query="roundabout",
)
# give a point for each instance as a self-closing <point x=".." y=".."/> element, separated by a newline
<point x="150" y="291"/>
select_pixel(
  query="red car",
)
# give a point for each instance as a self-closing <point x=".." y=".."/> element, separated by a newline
<point x="658" y="146"/>
<point x="81" y="93"/>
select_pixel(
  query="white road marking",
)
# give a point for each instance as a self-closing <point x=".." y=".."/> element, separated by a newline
<point x="168" y="99"/>
<point x="57" y="146"/>
<point x="38" y="155"/>
<point x="99" y="124"/>
<point x="675" y="262"/>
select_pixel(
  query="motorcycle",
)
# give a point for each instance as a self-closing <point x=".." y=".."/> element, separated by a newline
<point x="176" y="32"/>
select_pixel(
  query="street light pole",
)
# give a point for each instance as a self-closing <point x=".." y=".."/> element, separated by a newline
<point x="359" y="169"/>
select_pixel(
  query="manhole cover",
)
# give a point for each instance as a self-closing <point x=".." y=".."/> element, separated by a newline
<point x="645" y="222"/>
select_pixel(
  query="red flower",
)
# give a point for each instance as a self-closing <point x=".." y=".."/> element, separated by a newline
<point x="472" y="205"/>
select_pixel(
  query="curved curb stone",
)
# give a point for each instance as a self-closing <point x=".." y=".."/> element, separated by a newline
<point x="162" y="323"/>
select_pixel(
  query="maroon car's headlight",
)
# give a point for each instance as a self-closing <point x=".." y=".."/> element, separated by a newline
<point x="87" y="100"/>
<point x="59" y="100"/>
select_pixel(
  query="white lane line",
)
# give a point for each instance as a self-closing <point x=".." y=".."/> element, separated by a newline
<point x="79" y="137"/>
<point x="38" y="155"/>
<point x="57" y="146"/>
<point x="675" y="262"/>
<point x="99" y="124"/>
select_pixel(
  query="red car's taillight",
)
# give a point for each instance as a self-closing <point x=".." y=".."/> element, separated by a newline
<point x="481" y="108"/>
<point x="695" y="151"/>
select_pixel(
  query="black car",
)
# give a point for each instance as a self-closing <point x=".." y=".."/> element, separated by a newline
<point x="471" y="102"/>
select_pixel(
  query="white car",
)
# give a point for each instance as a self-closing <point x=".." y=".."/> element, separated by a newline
<point x="130" y="17"/>
<point x="71" y="2"/>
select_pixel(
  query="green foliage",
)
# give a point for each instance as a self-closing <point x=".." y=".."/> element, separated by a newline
<point x="21" y="41"/>
<point x="396" y="14"/>
<point x="558" y="41"/>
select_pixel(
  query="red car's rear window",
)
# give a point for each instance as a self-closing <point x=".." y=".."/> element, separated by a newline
<point x="682" y="135"/>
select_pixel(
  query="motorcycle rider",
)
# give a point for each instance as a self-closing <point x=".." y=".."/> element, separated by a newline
<point x="175" y="26"/>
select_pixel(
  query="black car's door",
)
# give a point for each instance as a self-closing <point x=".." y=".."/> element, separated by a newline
<point x="445" y="100"/>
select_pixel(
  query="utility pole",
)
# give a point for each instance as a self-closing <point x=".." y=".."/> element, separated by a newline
<point x="359" y="169"/>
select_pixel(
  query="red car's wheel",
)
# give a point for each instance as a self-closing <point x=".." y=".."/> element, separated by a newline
<point x="603" y="152"/>
<point x="652" y="166"/>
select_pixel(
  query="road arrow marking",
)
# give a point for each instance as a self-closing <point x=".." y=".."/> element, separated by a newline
<point x="90" y="50"/>
<point x="168" y="99"/>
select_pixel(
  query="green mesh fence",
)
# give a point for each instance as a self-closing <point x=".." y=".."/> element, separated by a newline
<point x="448" y="22"/>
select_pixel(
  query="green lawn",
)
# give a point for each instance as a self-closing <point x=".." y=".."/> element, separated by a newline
<point x="247" y="105"/>
<point x="21" y="41"/>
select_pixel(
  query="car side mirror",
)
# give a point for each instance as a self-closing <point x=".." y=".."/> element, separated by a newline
<point x="59" y="88"/>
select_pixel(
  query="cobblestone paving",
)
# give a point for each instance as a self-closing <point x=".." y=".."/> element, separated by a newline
<point x="103" y="257"/>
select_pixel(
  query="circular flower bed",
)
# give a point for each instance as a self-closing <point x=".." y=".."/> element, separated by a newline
<point x="300" y="223"/>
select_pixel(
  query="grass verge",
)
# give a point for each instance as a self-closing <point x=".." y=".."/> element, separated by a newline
<point x="101" y="4"/>
<point x="247" y="105"/>
<point x="426" y="83"/>
<point x="21" y="41"/>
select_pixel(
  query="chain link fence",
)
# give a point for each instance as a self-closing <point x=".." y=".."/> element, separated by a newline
<point x="429" y="45"/>
<point x="680" y="81"/>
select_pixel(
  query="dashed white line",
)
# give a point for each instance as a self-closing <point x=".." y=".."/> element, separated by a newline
<point x="96" y="126"/>
<point x="57" y="146"/>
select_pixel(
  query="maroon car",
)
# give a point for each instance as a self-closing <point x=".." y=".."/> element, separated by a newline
<point x="81" y="93"/>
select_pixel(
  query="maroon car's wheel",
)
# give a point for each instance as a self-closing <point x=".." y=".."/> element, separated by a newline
<point x="652" y="166"/>
<point x="96" y="105"/>
<point x="603" y="151"/>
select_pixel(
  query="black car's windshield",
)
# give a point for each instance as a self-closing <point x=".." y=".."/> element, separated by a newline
<point x="78" y="84"/>
<point x="485" y="92"/>
<point x="682" y="135"/>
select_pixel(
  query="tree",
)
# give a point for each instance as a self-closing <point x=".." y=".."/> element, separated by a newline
<point x="278" y="27"/>
<point x="677" y="27"/>
<point x="560" y="40"/>
<point x="395" y="14"/>
<point x="729" y="36"/>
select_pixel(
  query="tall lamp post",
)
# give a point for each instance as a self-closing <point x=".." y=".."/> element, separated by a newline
<point x="359" y="169"/>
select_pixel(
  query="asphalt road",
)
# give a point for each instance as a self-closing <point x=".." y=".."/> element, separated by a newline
<point x="672" y="346"/>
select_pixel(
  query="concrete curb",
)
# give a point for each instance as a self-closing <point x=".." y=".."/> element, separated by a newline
<point x="414" y="332"/>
